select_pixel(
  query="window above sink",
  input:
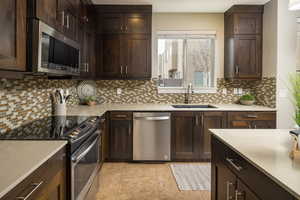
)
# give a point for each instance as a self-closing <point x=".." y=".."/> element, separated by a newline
<point x="185" y="57"/>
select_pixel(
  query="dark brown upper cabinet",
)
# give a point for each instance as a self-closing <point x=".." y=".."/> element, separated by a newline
<point x="243" y="42"/>
<point x="111" y="58"/>
<point x="137" y="23"/>
<point x="112" y="23"/>
<point x="60" y="14"/>
<point x="137" y="56"/>
<point x="13" y="34"/>
<point x="124" y="40"/>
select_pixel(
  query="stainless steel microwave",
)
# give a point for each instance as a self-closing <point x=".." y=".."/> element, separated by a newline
<point x="51" y="52"/>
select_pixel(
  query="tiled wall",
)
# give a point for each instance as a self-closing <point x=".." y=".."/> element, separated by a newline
<point x="22" y="101"/>
<point x="146" y="92"/>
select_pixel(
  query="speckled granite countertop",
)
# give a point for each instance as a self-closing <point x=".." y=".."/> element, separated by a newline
<point x="99" y="110"/>
<point x="20" y="158"/>
<point x="268" y="150"/>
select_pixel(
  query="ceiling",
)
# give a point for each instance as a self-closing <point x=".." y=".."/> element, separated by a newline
<point x="215" y="6"/>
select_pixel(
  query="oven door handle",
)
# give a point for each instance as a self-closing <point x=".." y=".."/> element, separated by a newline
<point x="86" y="151"/>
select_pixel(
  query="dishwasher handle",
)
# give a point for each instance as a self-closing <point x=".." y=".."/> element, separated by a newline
<point x="162" y="118"/>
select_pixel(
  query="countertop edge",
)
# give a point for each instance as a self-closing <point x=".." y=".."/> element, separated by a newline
<point x="21" y="178"/>
<point x="281" y="184"/>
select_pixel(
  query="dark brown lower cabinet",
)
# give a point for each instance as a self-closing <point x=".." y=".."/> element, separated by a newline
<point x="120" y="136"/>
<point x="252" y="120"/>
<point x="211" y="120"/>
<point x="48" y="182"/>
<point x="186" y="136"/>
<point x="234" y="178"/>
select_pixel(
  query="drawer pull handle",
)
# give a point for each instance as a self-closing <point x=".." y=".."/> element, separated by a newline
<point x="235" y="166"/>
<point x="238" y="194"/>
<point x="121" y="116"/>
<point x="35" y="187"/>
<point x="252" y="116"/>
<point x="228" y="185"/>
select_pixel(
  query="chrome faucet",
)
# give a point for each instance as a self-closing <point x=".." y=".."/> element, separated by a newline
<point x="188" y="93"/>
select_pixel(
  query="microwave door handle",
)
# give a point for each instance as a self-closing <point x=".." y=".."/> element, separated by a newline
<point x="80" y="156"/>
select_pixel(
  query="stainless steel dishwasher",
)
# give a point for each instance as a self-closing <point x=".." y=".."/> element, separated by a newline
<point x="152" y="136"/>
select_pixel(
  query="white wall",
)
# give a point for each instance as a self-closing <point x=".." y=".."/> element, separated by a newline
<point x="190" y="22"/>
<point x="270" y="40"/>
<point x="286" y="63"/>
<point x="279" y="53"/>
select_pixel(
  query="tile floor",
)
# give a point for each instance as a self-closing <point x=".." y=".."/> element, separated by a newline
<point x="126" y="181"/>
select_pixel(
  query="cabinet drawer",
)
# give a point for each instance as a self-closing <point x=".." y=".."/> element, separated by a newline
<point x="253" y="116"/>
<point x="34" y="186"/>
<point x="263" y="186"/>
<point x="121" y="115"/>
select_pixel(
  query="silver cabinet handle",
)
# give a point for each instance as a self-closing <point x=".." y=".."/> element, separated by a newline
<point x="126" y="69"/>
<point x="237" y="70"/>
<point x="251" y="116"/>
<point x="120" y="116"/>
<point x="36" y="186"/>
<point x="68" y="21"/>
<point x="153" y="118"/>
<point x="197" y="120"/>
<point x="121" y="27"/>
<point x="121" y="69"/>
<point x="238" y="194"/>
<point x="255" y="127"/>
<point x="228" y="185"/>
<point x="87" y="67"/>
<point x="63" y="18"/>
<point x="235" y="166"/>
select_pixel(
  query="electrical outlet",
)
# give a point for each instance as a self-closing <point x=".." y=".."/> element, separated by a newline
<point x="235" y="91"/>
<point x="119" y="91"/>
<point x="240" y="91"/>
<point x="224" y="91"/>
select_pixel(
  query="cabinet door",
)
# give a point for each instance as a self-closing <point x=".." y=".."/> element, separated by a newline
<point x="244" y="193"/>
<point x="225" y="183"/>
<point x="111" y="66"/>
<point x="137" y="23"/>
<point x="112" y="23"/>
<point x="120" y="140"/>
<point x="56" y="189"/>
<point x="247" y="23"/>
<point x="248" y="57"/>
<point x="137" y="55"/>
<point x="211" y="120"/>
<point x="13" y="35"/>
<point x="185" y="137"/>
<point x="47" y="11"/>
<point x="88" y="48"/>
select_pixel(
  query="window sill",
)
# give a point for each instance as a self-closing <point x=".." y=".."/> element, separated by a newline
<point x="176" y="90"/>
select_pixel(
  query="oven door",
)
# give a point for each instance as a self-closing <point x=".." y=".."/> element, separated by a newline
<point x="84" y="166"/>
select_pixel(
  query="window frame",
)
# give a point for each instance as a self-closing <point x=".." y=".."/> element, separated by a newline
<point x="185" y="35"/>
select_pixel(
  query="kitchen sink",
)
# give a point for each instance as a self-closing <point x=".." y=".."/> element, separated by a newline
<point x="193" y="106"/>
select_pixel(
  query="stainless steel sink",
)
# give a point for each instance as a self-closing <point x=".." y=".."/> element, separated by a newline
<point x="193" y="106"/>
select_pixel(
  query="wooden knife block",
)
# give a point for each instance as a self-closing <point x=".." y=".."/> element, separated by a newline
<point x="295" y="153"/>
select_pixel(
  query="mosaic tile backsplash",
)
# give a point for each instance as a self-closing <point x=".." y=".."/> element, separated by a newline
<point x="22" y="101"/>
